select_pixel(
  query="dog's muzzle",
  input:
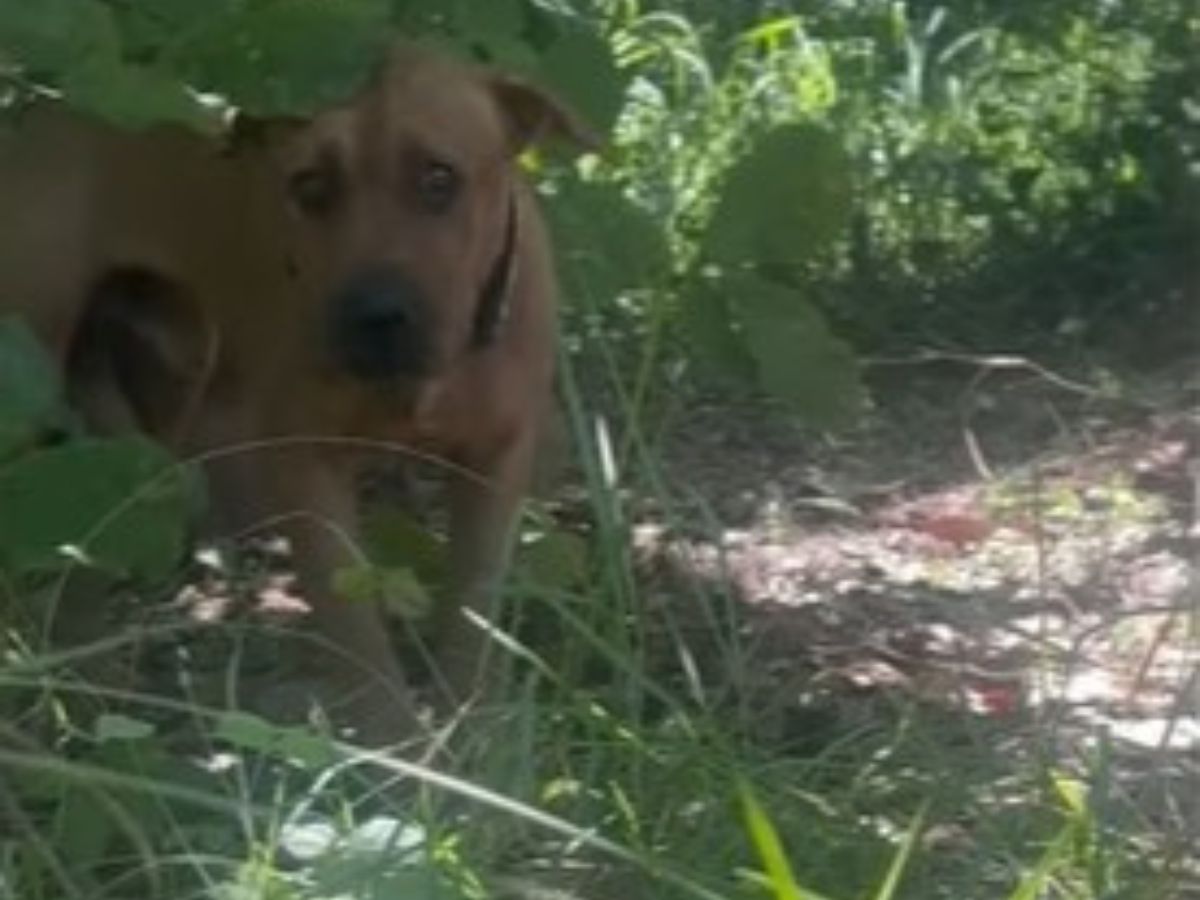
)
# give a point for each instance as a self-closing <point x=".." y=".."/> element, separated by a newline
<point x="382" y="326"/>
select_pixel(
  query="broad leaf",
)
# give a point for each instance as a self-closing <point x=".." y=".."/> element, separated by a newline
<point x="247" y="731"/>
<point x="151" y="29"/>
<point x="579" y="69"/>
<point x="784" y="202"/>
<point x="798" y="359"/>
<point x="136" y="96"/>
<point x="30" y="390"/>
<point x="756" y="330"/>
<point x="716" y="333"/>
<point x="496" y="19"/>
<point x="397" y="589"/>
<point x="605" y="244"/>
<point x="53" y="37"/>
<point x="120" y="505"/>
<point x="287" y="57"/>
<point x="393" y="538"/>
<point x="564" y="54"/>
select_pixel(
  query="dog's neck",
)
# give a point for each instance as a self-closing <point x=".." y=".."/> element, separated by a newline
<point x="494" y="305"/>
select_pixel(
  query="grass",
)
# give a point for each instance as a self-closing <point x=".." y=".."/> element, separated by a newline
<point x="659" y="737"/>
<point x="645" y="747"/>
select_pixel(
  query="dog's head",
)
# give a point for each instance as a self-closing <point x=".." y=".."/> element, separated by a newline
<point x="402" y="219"/>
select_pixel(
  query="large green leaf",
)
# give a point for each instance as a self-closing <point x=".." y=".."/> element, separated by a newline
<point x="30" y="391"/>
<point x="122" y="505"/>
<point x="496" y="19"/>
<point x="150" y="29"/>
<point x="52" y="37"/>
<point x="716" y="334"/>
<point x="604" y="242"/>
<point x="578" y="68"/>
<point x="286" y="57"/>
<point x="798" y="359"/>
<point x="753" y="329"/>
<point x="136" y="96"/>
<point x="564" y="54"/>
<point x="783" y="202"/>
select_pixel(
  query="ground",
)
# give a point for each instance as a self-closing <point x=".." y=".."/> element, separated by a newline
<point x="982" y="602"/>
<point x="1015" y="550"/>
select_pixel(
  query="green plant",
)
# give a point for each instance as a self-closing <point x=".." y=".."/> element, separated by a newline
<point x="121" y="505"/>
<point x="780" y="177"/>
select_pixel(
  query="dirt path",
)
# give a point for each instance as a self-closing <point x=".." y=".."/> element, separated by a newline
<point x="1032" y="564"/>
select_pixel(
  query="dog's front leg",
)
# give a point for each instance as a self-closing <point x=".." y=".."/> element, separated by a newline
<point x="366" y="686"/>
<point x="485" y="500"/>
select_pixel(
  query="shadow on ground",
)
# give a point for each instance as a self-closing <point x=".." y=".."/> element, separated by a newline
<point x="1018" y="585"/>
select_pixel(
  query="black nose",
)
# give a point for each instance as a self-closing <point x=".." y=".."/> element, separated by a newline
<point x="381" y="325"/>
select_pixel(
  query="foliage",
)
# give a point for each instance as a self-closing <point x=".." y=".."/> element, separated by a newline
<point x="784" y="181"/>
<point x="1022" y="172"/>
<point x="118" y="504"/>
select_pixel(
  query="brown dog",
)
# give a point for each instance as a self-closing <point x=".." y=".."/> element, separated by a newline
<point x="378" y="274"/>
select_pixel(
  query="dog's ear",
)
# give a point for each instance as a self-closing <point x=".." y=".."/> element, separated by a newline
<point x="534" y="117"/>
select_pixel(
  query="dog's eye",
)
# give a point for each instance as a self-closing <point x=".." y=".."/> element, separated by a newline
<point x="438" y="186"/>
<point x="315" y="191"/>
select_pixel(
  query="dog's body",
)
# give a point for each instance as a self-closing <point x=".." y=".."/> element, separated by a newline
<point x="377" y="275"/>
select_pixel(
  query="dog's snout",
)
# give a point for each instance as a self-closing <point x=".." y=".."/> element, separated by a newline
<point x="381" y="326"/>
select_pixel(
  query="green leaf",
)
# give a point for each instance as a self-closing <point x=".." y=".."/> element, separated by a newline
<point x="307" y="749"/>
<point x="116" y="727"/>
<point x="297" y="744"/>
<point x="496" y="19"/>
<point x="605" y="244"/>
<point x="84" y="826"/>
<point x="1073" y="793"/>
<point x="120" y="505"/>
<point x="287" y="57"/>
<point x="30" y="389"/>
<point x="403" y="559"/>
<point x="1035" y="880"/>
<point x="797" y="358"/>
<point x="246" y="731"/>
<point x="394" y="538"/>
<point x="891" y="881"/>
<point x="136" y="96"/>
<point x="782" y="203"/>
<point x="579" y="69"/>
<point x="150" y="29"/>
<point x="716" y="333"/>
<point x="53" y="37"/>
<point x="768" y="335"/>
<point x="397" y="589"/>
<point x="556" y="559"/>
<point x="769" y="847"/>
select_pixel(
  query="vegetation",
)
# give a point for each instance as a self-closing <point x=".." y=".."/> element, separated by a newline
<point x="798" y="200"/>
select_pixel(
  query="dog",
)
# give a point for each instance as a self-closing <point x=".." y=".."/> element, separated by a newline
<point x="287" y="302"/>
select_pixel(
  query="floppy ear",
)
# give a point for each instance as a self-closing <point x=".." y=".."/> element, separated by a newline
<point x="534" y="117"/>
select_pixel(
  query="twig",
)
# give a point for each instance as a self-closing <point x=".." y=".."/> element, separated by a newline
<point x="988" y="363"/>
